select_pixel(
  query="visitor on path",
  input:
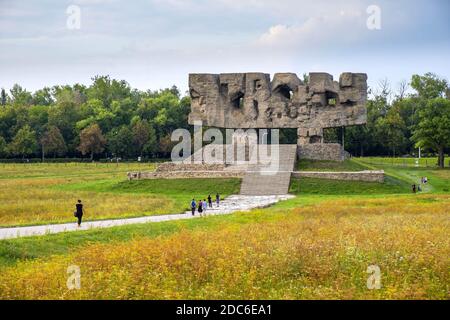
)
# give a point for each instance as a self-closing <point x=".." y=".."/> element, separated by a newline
<point x="414" y="188"/>
<point x="193" y="207"/>
<point x="422" y="180"/>
<point x="217" y="199"/>
<point x="205" y="206"/>
<point x="209" y="201"/>
<point x="200" y="207"/>
<point x="79" y="212"/>
<point x="425" y="180"/>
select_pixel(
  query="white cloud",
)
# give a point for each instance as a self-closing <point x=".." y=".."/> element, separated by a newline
<point x="324" y="30"/>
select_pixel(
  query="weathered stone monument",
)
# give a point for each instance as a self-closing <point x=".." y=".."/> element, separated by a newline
<point x="253" y="100"/>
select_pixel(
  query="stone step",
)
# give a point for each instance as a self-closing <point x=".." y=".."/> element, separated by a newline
<point x="258" y="182"/>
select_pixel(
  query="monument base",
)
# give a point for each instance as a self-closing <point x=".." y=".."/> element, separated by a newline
<point x="322" y="151"/>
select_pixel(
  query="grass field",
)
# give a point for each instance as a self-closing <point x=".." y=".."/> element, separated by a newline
<point x="313" y="165"/>
<point x="47" y="193"/>
<point x="315" y="246"/>
<point x="406" y="162"/>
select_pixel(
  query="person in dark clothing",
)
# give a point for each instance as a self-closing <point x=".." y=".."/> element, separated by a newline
<point x="210" y="201"/>
<point x="79" y="212"/>
<point x="193" y="206"/>
<point x="200" y="207"/>
<point x="414" y="188"/>
<point x="217" y="199"/>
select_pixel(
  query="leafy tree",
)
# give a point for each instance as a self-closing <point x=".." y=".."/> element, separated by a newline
<point x="3" y="97"/>
<point x="144" y="137"/>
<point x="433" y="128"/>
<point x="91" y="140"/>
<point x="64" y="115"/>
<point x="429" y="86"/>
<point x="43" y="97"/>
<point x="24" y="142"/>
<point x="52" y="141"/>
<point x="37" y="118"/>
<point x="3" y="147"/>
<point x="120" y="141"/>
<point x="76" y="94"/>
<point x="392" y="128"/>
<point x="93" y="111"/>
<point x="20" y="96"/>
<point x="107" y="90"/>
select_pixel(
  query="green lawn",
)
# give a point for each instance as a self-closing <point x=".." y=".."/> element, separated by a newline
<point x="179" y="191"/>
<point x="325" y="165"/>
<point x="34" y="194"/>
<point x="439" y="179"/>
<point x="308" y="191"/>
<point x="313" y="186"/>
<point x="407" y="162"/>
<point x="337" y="225"/>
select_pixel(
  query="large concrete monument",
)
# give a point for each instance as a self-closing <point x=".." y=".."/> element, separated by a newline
<point x="253" y="100"/>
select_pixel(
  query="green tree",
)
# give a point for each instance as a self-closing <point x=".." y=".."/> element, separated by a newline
<point x="107" y="90"/>
<point x="144" y="137"/>
<point x="433" y="128"/>
<point x="92" y="140"/>
<point x="392" y="128"/>
<point x="120" y="141"/>
<point x="429" y="86"/>
<point x="43" y="97"/>
<point x="24" y="142"/>
<point x="52" y="141"/>
<point x="76" y="94"/>
<point x="64" y="115"/>
<point x="3" y="147"/>
<point x="20" y="96"/>
<point x="3" y="97"/>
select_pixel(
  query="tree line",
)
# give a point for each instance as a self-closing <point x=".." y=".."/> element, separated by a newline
<point x="106" y="119"/>
<point x="110" y="119"/>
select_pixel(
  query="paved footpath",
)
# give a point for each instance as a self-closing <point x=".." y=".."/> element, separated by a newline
<point x="229" y="205"/>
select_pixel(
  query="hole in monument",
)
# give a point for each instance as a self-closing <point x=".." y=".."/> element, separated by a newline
<point x="284" y="91"/>
<point x="238" y="101"/>
<point x="257" y="84"/>
<point x="349" y="103"/>
<point x="255" y="110"/>
<point x="331" y="135"/>
<point x="288" y="136"/>
<point x="332" y="98"/>
<point x="194" y="94"/>
<point x="224" y="89"/>
<point x="315" y="139"/>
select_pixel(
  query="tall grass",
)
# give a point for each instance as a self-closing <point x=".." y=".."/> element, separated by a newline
<point x="316" y="252"/>
<point x="47" y="193"/>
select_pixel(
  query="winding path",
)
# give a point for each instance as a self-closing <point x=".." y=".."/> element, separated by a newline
<point x="229" y="205"/>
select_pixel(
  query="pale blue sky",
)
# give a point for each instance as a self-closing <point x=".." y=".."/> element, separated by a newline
<point x="155" y="43"/>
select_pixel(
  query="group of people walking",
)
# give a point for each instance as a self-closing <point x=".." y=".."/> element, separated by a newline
<point x="202" y="205"/>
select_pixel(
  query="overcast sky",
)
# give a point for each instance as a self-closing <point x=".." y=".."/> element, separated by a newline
<point x="154" y="44"/>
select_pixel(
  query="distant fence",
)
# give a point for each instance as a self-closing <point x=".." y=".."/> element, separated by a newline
<point x="429" y="162"/>
<point x="81" y="160"/>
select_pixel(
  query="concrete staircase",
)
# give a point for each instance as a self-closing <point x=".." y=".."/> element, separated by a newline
<point x="258" y="182"/>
